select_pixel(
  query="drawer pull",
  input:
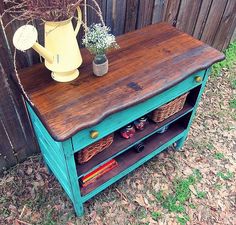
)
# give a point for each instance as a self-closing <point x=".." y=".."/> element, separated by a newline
<point x="94" y="134"/>
<point x="198" y="79"/>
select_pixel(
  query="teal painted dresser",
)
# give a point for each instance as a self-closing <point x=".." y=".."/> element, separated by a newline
<point x="153" y="66"/>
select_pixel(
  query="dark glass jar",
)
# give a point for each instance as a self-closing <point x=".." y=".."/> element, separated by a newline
<point x="139" y="147"/>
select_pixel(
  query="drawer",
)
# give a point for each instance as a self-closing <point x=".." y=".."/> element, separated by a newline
<point x="118" y="120"/>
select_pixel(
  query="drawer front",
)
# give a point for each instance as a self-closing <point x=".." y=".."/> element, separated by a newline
<point x="120" y="119"/>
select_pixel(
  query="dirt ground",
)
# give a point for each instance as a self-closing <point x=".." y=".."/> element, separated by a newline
<point x="196" y="185"/>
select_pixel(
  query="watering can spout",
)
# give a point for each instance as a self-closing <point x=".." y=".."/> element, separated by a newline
<point x="46" y="54"/>
<point x="26" y="37"/>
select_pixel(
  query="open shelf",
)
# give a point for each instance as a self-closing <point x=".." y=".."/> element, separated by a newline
<point x="130" y="157"/>
<point x="120" y="144"/>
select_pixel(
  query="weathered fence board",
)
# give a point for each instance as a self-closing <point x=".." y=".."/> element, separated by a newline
<point x="145" y="15"/>
<point x="171" y="11"/>
<point x="131" y="15"/>
<point x="158" y="11"/>
<point x="188" y="14"/>
<point x="212" y="21"/>
<point x="225" y="30"/>
<point x="202" y="18"/>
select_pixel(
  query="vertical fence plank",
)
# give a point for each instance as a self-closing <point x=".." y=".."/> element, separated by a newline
<point x="188" y="14"/>
<point x="115" y="18"/>
<point x="171" y="11"/>
<point x="145" y="13"/>
<point x="7" y="158"/>
<point x="158" y="11"/>
<point x="212" y="24"/>
<point x="15" y="123"/>
<point x="92" y="15"/>
<point x="233" y="38"/>
<point x="131" y="15"/>
<point x="226" y="27"/>
<point x="202" y="18"/>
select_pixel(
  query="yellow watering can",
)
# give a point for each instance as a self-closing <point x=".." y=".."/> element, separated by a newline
<point x="61" y="52"/>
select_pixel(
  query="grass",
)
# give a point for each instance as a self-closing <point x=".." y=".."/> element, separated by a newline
<point x="225" y="176"/>
<point x="218" y="155"/>
<point x="183" y="219"/>
<point x="233" y="83"/>
<point x="230" y="58"/>
<point x="156" y="216"/>
<point x="178" y="200"/>
<point x="232" y="103"/>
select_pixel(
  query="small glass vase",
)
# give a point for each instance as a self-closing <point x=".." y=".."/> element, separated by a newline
<point x="100" y="65"/>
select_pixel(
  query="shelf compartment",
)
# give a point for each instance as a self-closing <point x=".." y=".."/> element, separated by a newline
<point x="130" y="160"/>
<point x="120" y="144"/>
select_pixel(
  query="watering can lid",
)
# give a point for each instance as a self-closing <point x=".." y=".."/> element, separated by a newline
<point x="25" y="37"/>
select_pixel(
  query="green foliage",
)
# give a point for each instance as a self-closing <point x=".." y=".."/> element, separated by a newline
<point x="218" y="155"/>
<point x="197" y="174"/>
<point x="156" y="215"/>
<point x="225" y="176"/>
<point x="233" y="84"/>
<point x="192" y="206"/>
<point x="218" y="186"/>
<point x="232" y="103"/>
<point x="176" y="201"/>
<point x="230" y="58"/>
<point x="201" y="194"/>
<point x="183" y="220"/>
<point x="183" y="192"/>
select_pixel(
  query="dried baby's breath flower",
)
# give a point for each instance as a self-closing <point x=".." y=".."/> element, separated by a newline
<point x="98" y="39"/>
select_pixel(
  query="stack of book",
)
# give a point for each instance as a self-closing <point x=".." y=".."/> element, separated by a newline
<point x="95" y="174"/>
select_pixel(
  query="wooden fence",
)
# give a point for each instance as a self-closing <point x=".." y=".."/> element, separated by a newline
<point x="212" y="21"/>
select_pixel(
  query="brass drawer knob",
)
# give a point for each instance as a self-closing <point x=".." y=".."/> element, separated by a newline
<point x="198" y="79"/>
<point x="94" y="134"/>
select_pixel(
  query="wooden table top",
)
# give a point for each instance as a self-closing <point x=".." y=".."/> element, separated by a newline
<point x="149" y="61"/>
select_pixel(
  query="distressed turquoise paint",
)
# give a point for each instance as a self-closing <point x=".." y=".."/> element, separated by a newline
<point x="59" y="156"/>
<point x="133" y="167"/>
<point x="130" y="146"/>
<point x="180" y="142"/>
<point x="52" y="152"/>
<point x="72" y="173"/>
<point x="120" y="119"/>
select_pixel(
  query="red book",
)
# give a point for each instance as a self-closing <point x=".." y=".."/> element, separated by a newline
<point x="92" y="176"/>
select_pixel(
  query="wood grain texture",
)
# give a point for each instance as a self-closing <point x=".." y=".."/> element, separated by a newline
<point x="117" y="20"/>
<point x="158" y="11"/>
<point x="92" y="15"/>
<point x="188" y="14"/>
<point x="233" y="38"/>
<point x="145" y="13"/>
<point x="131" y="15"/>
<point x="213" y="21"/>
<point x="225" y="30"/>
<point x="171" y="11"/>
<point x="202" y="18"/>
<point x="144" y="59"/>
<point x="17" y="138"/>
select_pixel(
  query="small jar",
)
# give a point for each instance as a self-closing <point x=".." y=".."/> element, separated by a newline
<point x="140" y="123"/>
<point x="100" y="65"/>
<point x="139" y="147"/>
<point x="128" y="131"/>
<point x="163" y="129"/>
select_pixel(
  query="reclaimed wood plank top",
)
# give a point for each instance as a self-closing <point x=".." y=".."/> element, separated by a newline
<point x="149" y="61"/>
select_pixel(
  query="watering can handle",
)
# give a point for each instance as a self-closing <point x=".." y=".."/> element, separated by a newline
<point x="79" y="21"/>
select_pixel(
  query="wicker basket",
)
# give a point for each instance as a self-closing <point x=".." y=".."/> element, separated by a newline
<point x="169" y="109"/>
<point x="87" y="153"/>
